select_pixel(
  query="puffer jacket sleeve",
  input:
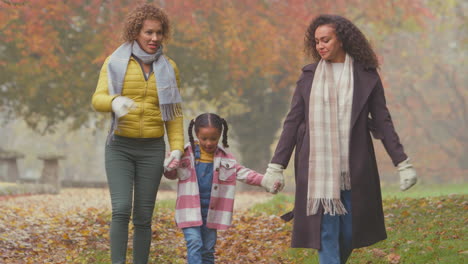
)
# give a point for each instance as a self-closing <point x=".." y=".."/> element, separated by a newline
<point x="102" y="101"/>
<point x="175" y="127"/>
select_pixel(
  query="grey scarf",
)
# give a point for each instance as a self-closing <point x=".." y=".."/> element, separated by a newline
<point x="168" y="92"/>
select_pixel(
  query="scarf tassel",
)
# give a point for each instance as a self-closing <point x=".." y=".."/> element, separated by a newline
<point x="171" y="111"/>
<point x="330" y="206"/>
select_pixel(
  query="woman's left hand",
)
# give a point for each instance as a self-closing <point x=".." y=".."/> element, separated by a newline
<point x="408" y="176"/>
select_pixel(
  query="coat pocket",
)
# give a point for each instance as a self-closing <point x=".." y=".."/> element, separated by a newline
<point x="373" y="129"/>
<point x="185" y="169"/>
<point x="227" y="170"/>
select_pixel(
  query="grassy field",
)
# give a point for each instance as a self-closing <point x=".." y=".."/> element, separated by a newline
<point x="426" y="224"/>
<point x="422" y="190"/>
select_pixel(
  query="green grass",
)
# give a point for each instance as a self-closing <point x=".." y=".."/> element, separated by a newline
<point x="425" y="224"/>
<point x="425" y="190"/>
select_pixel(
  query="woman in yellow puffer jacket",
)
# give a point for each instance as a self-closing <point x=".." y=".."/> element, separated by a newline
<point x="139" y="86"/>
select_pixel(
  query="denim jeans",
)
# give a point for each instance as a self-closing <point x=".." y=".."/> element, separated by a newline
<point x="336" y="235"/>
<point x="201" y="243"/>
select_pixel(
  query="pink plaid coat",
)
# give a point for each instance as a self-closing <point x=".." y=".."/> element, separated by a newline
<point x="226" y="171"/>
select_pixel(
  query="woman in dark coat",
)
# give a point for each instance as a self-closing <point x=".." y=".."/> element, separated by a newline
<point x="338" y="205"/>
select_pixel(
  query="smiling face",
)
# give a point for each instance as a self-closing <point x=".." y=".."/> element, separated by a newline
<point x="150" y="36"/>
<point x="328" y="45"/>
<point x="208" y="137"/>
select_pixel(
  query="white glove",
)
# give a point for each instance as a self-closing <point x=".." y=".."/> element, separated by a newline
<point x="407" y="173"/>
<point x="121" y="105"/>
<point x="273" y="180"/>
<point x="172" y="162"/>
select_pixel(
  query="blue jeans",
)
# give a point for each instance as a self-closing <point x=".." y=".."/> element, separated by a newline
<point x="201" y="243"/>
<point x="336" y="235"/>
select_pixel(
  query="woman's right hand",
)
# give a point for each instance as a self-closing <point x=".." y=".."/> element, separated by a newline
<point x="121" y="105"/>
<point x="273" y="180"/>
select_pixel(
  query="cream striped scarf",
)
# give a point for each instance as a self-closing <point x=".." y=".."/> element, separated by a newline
<point x="329" y="122"/>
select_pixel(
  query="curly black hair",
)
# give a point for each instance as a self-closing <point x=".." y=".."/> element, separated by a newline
<point x="208" y="120"/>
<point x="134" y="21"/>
<point x="354" y="41"/>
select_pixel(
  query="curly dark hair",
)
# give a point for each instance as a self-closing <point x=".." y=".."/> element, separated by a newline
<point x="134" y="21"/>
<point x="354" y="41"/>
<point x="208" y="120"/>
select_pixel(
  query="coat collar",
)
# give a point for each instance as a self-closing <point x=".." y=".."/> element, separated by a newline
<point x="310" y="67"/>
<point x="364" y="83"/>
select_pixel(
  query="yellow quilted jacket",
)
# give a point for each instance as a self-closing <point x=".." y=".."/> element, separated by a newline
<point x="144" y="121"/>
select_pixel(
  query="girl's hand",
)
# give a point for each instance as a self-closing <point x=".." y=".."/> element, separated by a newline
<point x="277" y="187"/>
<point x="172" y="162"/>
<point x="173" y="165"/>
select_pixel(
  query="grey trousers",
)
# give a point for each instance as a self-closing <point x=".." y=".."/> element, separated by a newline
<point x="134" y="167"/>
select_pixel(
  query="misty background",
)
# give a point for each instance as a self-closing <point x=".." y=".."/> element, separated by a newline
<point x="240" y="59"/>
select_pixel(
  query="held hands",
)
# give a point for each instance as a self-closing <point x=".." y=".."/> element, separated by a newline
<point x="407" y="173"/>
<point x="172" y="162"/>
<point x="121" y="105"/>
<point x="273" y="180"/>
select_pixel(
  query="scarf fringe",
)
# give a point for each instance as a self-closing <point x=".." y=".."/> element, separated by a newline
<point x="171" y="111"/>
<point x="330" y="206"/>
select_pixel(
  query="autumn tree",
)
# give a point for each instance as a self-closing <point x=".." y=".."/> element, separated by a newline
<point x="237" y="58"/>
<point x="50" y="56"/>
<point x="426" y="72"/>
<point x="249" y="53"/>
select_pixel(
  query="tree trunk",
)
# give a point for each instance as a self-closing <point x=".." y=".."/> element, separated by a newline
<point x="256" y="130"/>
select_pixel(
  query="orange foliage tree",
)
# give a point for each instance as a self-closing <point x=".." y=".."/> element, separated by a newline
<point x="251" y="52"/>
<point x="241" y="58"/>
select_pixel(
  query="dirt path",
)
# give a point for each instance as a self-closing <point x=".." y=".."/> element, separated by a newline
<point x="243" y="200"/>
<point x="69" y="199"/>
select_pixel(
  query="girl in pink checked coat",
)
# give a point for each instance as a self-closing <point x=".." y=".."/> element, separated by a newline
<point x="207" y="179"/>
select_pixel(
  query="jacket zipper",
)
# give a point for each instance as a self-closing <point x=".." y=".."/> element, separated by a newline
<point x="143" y="108"/>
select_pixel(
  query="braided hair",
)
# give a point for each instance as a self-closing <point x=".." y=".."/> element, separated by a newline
<point x="208" y="120"/>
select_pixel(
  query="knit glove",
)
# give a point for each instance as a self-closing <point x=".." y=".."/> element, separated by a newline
<point x="407" y="173"/>
<point x="121" y="105"/>
<point x="173" y="160"/>
<point x="273" y="180"/>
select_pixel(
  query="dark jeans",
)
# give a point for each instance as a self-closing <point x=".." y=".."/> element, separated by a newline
<point x="134" y="168"/>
